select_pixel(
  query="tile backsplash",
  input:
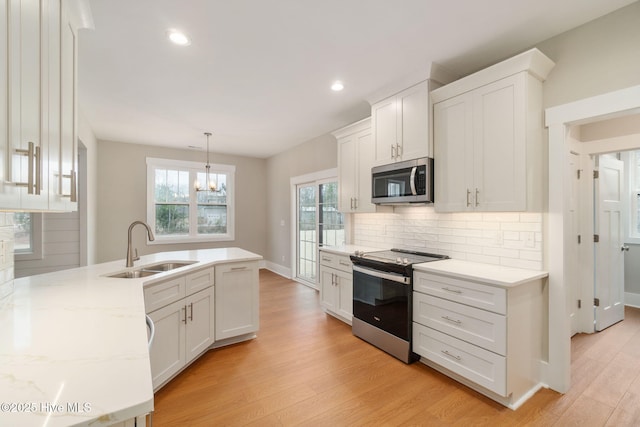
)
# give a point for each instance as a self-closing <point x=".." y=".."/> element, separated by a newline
<point x="511" y="239"/>
<point x="6" y="254"/>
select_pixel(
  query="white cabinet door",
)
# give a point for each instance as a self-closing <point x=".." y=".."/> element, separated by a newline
<point x="480" y="148"/>
<point x="167" y="351"/>
<point x="453" y="153"/>
<point x="200" y="322"/>
<point x="237" y="299"/>
<point x="327" y="288"/>
<point x="413" y="122"/>
<point x="384" y="125"/>
<point x="347" y="174"/>
<point x="365" y="153"/>
<point x="400" y="125"/>
<point x="500" y="145"/>
<point x="9" y="195"/>
<point x="26" y="84"/>
<point x="344" y="294"/>
<point x="356" y="156"/>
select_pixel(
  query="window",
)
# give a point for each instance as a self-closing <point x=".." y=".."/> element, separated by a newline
<point x="27" y="236"/>
<point x="178" y="213"/>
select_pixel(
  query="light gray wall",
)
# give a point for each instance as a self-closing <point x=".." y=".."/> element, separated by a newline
<point x="313" y="156"/>
<point x="632" y="269"/>
<point x="595" y="58"/>
<point x="89" y="218"/>
<point x="122" y="188"/>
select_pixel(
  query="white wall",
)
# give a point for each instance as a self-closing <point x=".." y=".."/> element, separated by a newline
<point x="90" y="204"/>
<point x="6" y="254"/>
<point x="313" y="156"/>
<point x="122" y="190"/>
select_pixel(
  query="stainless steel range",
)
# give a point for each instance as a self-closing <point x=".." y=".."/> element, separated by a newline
<point x="382" y="298"/>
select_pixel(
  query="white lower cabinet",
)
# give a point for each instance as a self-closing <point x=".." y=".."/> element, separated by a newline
<point x="485" y="336"/>
<point x="184" y="322"/>
<point x="237" y="299"/>
<point x="336" y="285"/>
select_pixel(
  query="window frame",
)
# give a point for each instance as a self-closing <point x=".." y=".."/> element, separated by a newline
<point x="35" y="252"/>
<point x="194" y="168"/>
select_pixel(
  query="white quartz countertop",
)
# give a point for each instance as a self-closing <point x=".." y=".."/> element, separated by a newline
<point x="73" y="344"/>
<point x="487" y="273"/>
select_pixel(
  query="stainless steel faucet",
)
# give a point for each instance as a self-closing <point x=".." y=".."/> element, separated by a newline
<point x="130" y="256"/>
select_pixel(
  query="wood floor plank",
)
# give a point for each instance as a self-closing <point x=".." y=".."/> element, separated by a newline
<point x="306" y="368"/>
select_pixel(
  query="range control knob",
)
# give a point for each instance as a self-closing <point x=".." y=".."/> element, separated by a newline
<point x="405" y="261"/>
<point x="398" y="260"/>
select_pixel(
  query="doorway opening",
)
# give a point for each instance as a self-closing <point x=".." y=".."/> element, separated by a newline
<point x="560" y="120"/>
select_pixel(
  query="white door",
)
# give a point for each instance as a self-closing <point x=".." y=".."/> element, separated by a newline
<point x="609" y="265"/>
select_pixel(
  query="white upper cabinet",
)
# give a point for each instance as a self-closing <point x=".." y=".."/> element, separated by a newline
<point x="38" y="144"/>
<point x="355" y="159"/>
<point x="400" y="125"/>
<point x="487" y="133"/>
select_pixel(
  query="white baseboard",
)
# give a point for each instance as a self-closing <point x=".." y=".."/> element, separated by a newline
<point x="278" y="269"/>
<point x="632" y="299"/>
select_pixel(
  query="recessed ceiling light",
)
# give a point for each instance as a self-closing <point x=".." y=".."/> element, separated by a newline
<point x="337" y="86"/>
<point x="178" y="38"/>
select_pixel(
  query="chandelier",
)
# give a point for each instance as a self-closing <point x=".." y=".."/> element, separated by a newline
<point x="210" y="185"/>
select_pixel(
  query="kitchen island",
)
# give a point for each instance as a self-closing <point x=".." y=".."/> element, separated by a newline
<point x="73" y="344"/>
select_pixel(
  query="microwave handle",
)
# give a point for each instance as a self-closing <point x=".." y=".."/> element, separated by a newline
<point x="413" y="180"/>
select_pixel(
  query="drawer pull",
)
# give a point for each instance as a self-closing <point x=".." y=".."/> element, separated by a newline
<point x="191" y="315"/>
<point x="238" y="268"/>
<point x="453" y="291"/>
<point x="446" y="353"/>
<point x="346" y="264"/>
<point x="326" y="259"/>
<point x="185" y="315"/>
<point x="457" y="322"/>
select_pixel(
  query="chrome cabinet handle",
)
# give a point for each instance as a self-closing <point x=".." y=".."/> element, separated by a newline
<point x="185" y="314"/>
<point x="191" y="312"/>
<point x="398" y="150"/>
<point x="30" y="155"/>
<point x="477" y="202"/>
<point x="238" y="268"/>
<point x="393" y="152"/>
<point x="453" y="356"/>
<point x="453" y="291"/>
<point x="468" y="196"/>
<point x="38" y="172"/>
<point x="355" y="203"/>
<point x="326" y="259"/>
<point x="346" y="264"/>
<point x="447" y="318"/>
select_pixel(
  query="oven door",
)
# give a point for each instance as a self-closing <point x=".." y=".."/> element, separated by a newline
<point x="382" y="299"/>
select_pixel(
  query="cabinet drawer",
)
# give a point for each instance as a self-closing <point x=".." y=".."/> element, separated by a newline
<point x="483" y="367"/>
<point x="164" y="293"/>
<point x="483" y="328"/>
<point x="339" y="262"/>
<point x="199" y="280"/>
<point x="470" y="293"/>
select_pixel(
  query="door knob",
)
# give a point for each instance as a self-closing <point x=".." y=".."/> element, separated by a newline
<point x="624" y="248"/>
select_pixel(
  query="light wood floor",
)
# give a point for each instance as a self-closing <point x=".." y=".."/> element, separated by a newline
<point x="306" y="368"/>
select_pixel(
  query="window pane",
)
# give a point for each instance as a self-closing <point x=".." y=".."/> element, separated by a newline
<point x="22" y="232"/>
<point x="212" y="219"/>
<point x="172" y="186"/>
<point x="331" y="221"/>
<point x="172" y="219"/>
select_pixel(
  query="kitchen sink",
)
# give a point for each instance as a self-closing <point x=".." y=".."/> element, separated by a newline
<point x="167" y="266"/>
<point x="134" y="274"/>
<point x="150" y="270"/>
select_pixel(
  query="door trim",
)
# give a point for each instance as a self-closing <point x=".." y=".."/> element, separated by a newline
<point x="557" y="371"/>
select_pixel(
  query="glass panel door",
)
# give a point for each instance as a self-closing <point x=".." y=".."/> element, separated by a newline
<point x="306" y="239"/>
<point x="330" y="222"/>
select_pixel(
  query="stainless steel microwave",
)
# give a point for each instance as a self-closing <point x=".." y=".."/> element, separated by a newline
<point x="410" y="181"/>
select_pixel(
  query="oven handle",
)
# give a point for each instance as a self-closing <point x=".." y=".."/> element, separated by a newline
<point x="383" y="275"/>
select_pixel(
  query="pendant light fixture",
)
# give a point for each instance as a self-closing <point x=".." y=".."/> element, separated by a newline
<point x="210" y="185"/>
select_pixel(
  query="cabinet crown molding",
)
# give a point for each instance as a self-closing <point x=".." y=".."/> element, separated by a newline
<point x="352" y="128"/>
<point x="532" y="61"/>
<point x="435" y="73"/>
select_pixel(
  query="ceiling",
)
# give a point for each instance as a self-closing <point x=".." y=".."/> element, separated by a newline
<point x="258" y="73"/>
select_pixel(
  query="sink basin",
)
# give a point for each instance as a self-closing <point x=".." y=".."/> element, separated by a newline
<point x="133" y="274"/>
<point x="150" y="270"/>
<point x="166" y="266"/>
